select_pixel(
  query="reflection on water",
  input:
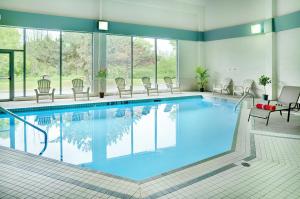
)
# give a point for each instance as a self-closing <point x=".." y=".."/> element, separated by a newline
<point x="134" y="141"/>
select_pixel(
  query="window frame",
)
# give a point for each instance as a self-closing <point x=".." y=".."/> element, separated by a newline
<point x="156" y="56"/>
<point x="24" y="50"/>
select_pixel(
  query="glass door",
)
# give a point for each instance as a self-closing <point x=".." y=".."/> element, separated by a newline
<point x="6" y="77"/>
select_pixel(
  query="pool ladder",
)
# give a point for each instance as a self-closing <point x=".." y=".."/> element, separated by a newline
<point x="30" y="124"/>
<point x="243" y="98"/>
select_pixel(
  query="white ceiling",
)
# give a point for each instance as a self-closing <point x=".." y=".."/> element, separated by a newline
<point x="187" y="6"/>
<point x="181" y="14"/>
<point x="193" y="2"/>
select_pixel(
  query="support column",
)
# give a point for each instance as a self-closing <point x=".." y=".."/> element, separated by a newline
<point x="102" y="60"/>
<point x="99" y="58"/>
<point x="271" y="56"/>
<point x="96" y="50"/>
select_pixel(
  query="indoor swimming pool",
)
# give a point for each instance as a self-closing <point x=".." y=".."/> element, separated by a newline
<point x="137" y="141"/>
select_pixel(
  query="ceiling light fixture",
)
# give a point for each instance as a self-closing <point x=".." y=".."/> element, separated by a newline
<point x="102" y="25"/>
<point x="256" y="29"/>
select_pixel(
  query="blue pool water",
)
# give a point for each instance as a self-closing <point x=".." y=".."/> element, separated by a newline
<point x="135" y="141"/>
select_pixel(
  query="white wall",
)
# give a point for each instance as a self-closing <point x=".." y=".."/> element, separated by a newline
<point x="287" y="6"/>
<point x="288" y="59"/>
<point x="237" y="58"/>
<point x="288" y="48"/>
<point x="223" y="13"/>
<point x="273" y="54"/>
<point x="190" y="55"/>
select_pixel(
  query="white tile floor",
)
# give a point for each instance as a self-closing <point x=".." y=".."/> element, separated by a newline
<point x="274" y="172"/>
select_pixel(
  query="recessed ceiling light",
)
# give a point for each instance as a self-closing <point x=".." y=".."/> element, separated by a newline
<point x="102" y="25"/>
<point x="256" y="29"/>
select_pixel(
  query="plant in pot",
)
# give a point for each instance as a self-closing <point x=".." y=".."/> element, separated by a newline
<point x="202" y="77"/>
<point x="264" y="81"/>
<point x="102" y="76"/>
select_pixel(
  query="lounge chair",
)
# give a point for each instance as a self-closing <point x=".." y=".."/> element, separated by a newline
<point x="224" y="86"/>
<point x="148" y="86"/>
<point x="287" y="101"/>
<point x="170" y="85"/>
<point x="245" y="88"/>
<point x="44" y="87"/>
<point x="78" y="88"/>
<point x="122" y="87"/>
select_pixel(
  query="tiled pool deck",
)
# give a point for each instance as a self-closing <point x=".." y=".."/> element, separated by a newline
<point x="274" y="170"/>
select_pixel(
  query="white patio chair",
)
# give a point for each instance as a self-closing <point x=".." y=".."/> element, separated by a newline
<point x="223" y="87"/>
<point x="121" y="85"/>
<point x="245" y="88"/>
<point x="148" y="86"/>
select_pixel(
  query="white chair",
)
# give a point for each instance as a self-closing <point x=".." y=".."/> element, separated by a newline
<point x="287" y="101"/>
<point x="245" y="88"/>
<point x="78" y="88"/>
<point x="148" y="86"/>
<point x="223" y="87"/>
<point x="122" y="87"/>
<point x="44" y="88"/>
<point x="170" y="85"/>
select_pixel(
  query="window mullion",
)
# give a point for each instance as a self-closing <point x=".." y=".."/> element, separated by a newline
<point x="177" y="63"/>
<point x="155" y="46"/>
<point x="131" y="61"/>
<point x="60" y="62"/>
<point x="24" y="62"/>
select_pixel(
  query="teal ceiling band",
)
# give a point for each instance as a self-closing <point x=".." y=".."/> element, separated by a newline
<point x="228" y="32"/>
<point x="243" y="30"/>
<point x="277" y="24"/>
<point x="286" y="22"/>
<point x="153" y="31"/>
<point x="42" y="21"/>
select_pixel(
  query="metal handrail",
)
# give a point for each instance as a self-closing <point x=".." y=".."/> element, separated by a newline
<point x="30" y="124"/>
<point x="242" y="99"/>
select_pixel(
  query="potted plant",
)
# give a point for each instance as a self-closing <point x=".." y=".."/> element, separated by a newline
<point x="102" y="76"/>
<point x="202" y="77"/>
<point x="264" y="81"/>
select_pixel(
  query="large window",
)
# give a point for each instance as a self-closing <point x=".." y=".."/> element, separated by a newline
<point x="77" y="59"/>
<point x="12" y="39"/>
<point x="118" y="60"/>
<point x="63" y="56"/>
<point x="143" y="61"/>
<point x="166" y="60"/>
<point x="42" y="58"/>
<point x="19" y="73"/>
<point x="4" y="72"/>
